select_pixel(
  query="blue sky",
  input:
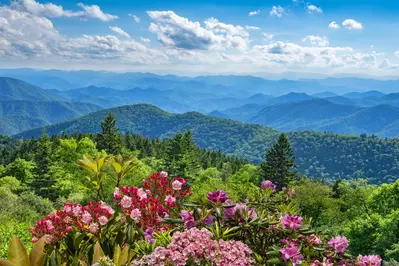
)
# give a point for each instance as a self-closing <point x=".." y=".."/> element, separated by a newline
<point x="196" y="37"/>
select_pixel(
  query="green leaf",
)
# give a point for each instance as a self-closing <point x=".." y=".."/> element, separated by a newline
<point x="117" y="255"/>
<point x="274" y="261"/>
<point x="17" y="253"/>
<point x="98" y="253"/>
<point x="36" y="256"/>
<point x="124" y="257"/>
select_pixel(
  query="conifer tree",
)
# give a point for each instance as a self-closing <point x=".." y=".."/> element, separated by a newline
<point x="279" y="165"/>
<point x="109" y="139"/>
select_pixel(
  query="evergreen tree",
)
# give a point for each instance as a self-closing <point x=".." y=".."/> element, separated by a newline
<point x="109" y="139"/>
<point x="43" y="183"/>
<point x="279" y="165"/>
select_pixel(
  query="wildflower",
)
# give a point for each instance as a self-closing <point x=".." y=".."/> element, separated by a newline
<point x="163" y="174"/>
<point x="141" y="194"/>
<point x="148" y="235"/>
<point x="314" y="240"/>
<point x="267" y="184"/>
<point x="208" y="220"/>
<point x="103" y="220"/>
<point x="117" y="194"/>
<point x="339" y="244"/>
<point x="94" y="228"/>
<point x="291" y="222"/>
<point x="219" y="196"/>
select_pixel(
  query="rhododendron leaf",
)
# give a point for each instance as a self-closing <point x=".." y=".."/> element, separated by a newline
<point x="117" y="167"/>
<point x="17" y="253"/>
<point x="190" y="205"/>
<point x="274" y="261"/>
<point x="117" y="254"/>
<point x="36" y="256"/>
<point x="98" y="253"/>
<point x="124" y="257"/>
<point x="6" y="263"/>
<point x="273" y="253"/>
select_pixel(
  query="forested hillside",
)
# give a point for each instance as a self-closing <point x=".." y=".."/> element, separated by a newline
<point x="320" y="155"/>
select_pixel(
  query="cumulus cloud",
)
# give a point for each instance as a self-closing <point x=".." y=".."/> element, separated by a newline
<point x="136" y="18"/>
<point x="333" y="25"/>
<point x="254" y="13"/>
<point x="352" y="24"/>
<point x="316" y="40"/>
<point x="314" y="9"/>
<point x="386" y="64"/>
<point x="25" y="35"/>
<point x="119" y="31"/>
<point x="175" y="31"/>
<point x="277" y="11"/>
<point x="53" y="11"/>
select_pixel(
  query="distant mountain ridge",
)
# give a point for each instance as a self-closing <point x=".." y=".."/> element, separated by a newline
<point x="318" y="154"/>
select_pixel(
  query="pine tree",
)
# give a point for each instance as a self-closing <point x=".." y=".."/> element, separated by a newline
<point x="109" y="139"/>
<point x="279" y="165"/>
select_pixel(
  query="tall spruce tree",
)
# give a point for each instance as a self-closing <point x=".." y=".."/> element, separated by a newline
<point x="279" y="165"/>
<point x="109" y="139"/>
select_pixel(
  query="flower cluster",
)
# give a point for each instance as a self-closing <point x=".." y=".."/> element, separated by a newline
<point x="371" y="260"/>
<point x="339" y="243"/>
<point x="291" y="222"/>
<point x="56" y="226"/>
<point x="291" y="253"/>
<point x="218" y="197"/>
<point x="267" y="184"/>
<point x="149" y="205"/>
<point x="198" y="246"/>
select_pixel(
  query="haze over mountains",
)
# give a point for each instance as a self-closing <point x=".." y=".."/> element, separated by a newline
<point x="342" y="105"/>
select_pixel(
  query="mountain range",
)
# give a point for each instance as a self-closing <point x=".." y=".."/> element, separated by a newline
<point x="326" y="155"/>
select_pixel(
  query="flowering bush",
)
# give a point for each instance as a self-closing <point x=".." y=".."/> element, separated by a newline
<point x="160" y="228"/>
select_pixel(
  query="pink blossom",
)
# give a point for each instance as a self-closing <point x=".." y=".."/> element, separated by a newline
<point x="314" y="240"/>
<point x="103" y="220"/>
<point x="291" y="253"/>
<point x="86" y="218"/>
<point x="267" y="184"/>
<point x="339" y="244"/>
<point x="141" y="194"/>
<point x="170" y="201"/>
<point x="177" y="185"/>
<point x="117" y="194"/>
<point x="291" y="222"/>
<point x="136" y="215"/>
<point x="163" y="174"/>
<point x="188" y="218"/>
<point x="371" y="260"/>
<point x="35" y="239"/>
<point x="219" y="196"/>
<point x="94" y="228"/>
<point x="126" y="202"/>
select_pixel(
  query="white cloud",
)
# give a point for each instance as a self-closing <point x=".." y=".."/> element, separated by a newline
<point x="175" y="31"/>
<point x="277" y="11"/>
<point x="146" y="40"/>
<point x="386" y="64"/>
<point x="136" y="18"/>
<point x="254" y="13"/>
<point x="53" y="11"/>
<point x="252" y="28"/>
<point x="352" y="24"/>
<point x="316" y="40"/>
<point x="94" y="11"/>
<point x="267" y="36"/>
<point x="397" y="54"/>
<point x="119" y="31"/>
<point x="314" y="9"/>
<point x="333" y="25"/>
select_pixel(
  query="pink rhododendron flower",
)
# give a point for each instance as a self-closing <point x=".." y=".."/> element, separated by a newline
<point x="208" y="220"/>
<point x="177" y="185"/>
<point x="370" y="260"/>
<point x="141" y="194"/>
<point x="126" y="202"/>
<point x="103" y="220"/>
<point x="314" y="240"/>
<point x="339" y="244"/>
<point x="86" y="218"/>
<point x="219" y="196"/>
<point x="291" y="253"/>
<point x="267" y="184"/>
<point x="136" y="215"/>
<point x="170" y="201"/>
<point x="163" y="174"/>
<point x="94" y="228"/>
<point x="188" y="218"/>
<point x="291" y="222"/>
